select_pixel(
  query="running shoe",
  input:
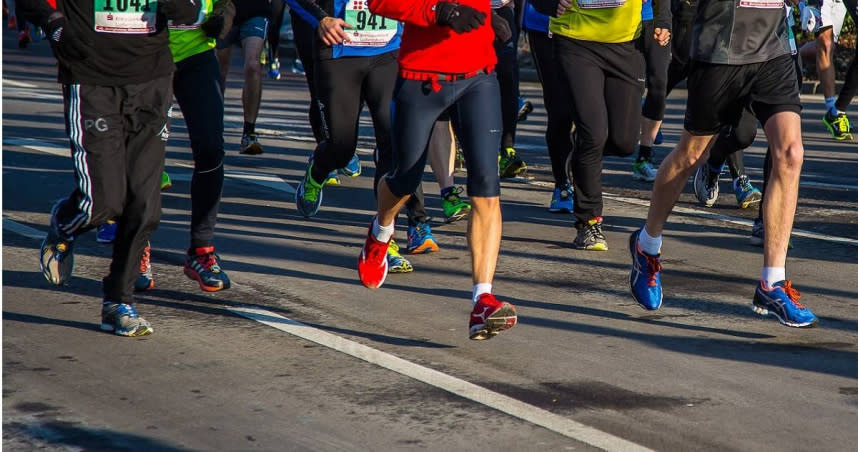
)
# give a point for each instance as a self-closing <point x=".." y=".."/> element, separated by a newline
<point x="396" y="263"/>
<point x="145" y="281"/>
<point x="203" y="266"/>
<point x="746" y="194"/>
<point x="274" y="69"/>
<point x="838" y="126"/>
<point x="106" y="233"/>
<point x="590" y="236"/>
<point x="297" y="67"/>
<point x="250" y="144"/>
<point x="57" y="252"/>
<point x="706" y="185"/>
<point x="122" y="319"/>
<point x="758" y="234"/>
<point x="645" y="277"/>
<point x="782" y="301"/>
<point x="525" y="107"/>
<point x="372" y="262"/>
<point x="166" y="183"/>
<point x="489" y="317"/>
<point x="644" y="170"/>
<point x="455" y="208"/>
<point x="459" y="164"/>
<point x="333" y="177"/>
<point x="308" y="196"/>
<point x="561" y="200"/>
<point x="659" y="137"/>
<point x="510" y="164"/>
<point x="24" y="38"/>
<point x="421" y="240"/>
<point x="353" y="168"/>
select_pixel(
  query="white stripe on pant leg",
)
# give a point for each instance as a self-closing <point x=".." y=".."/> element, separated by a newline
<point x="76" y="136"/>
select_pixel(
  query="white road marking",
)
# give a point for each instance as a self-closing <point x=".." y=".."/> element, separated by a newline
<point x="265" y="180"/>
<point x="60" y="148"/>
<point x="462" y="388"/>
<point x="17" y="84"/>
<point x="22" y="229"/>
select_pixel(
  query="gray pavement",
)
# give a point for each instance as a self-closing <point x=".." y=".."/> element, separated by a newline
<point x="584" y="369"/>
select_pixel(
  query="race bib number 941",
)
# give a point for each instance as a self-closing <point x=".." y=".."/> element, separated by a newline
<point x="367" y="29"/>
<point x="125" y="16"/>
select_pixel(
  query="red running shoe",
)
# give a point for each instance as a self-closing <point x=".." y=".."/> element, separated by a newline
<point x="490" y="317"/>
<point x="372" y="262"/>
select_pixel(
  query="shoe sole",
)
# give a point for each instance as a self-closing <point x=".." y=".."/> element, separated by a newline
<point x="425" y="248"/>
<point x="400" y="269"/>
<point x="253" y="149"/>
<point x="563" y="210"/>
<point x="194" y="277"/>
<point x="502" y="319"/>
<point x="136" y="333"/>
<point x="596" y="247"/>
<point x="761" y="310"/>
<point x="754" y="200"/>
<point x="461" y="215"/>
<point x="638" y="177"/>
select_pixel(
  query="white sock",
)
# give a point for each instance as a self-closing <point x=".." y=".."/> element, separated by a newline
<point x="382" y="233"/>
<point x="771" y="275"/>
<point x="479" y="289"/>
<point x="829" y="105"/>
<point x="650" y="245"/>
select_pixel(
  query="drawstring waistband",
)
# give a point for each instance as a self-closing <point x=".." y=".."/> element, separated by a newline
<point x="436" y="77"/>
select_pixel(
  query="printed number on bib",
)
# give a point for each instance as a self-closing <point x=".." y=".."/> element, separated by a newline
<point x="764" y="4"/>
<point x="125" y="16"/>
<point x="594" y="4"/>
<point x="367" y="29"/>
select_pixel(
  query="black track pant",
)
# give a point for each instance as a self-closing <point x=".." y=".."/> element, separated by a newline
<point x="606" y="82"/>
<point x="507" y="72"/>
<point x="197" y="87"/>
<point x="118" y="137"/>
<point x="555" y="95"/>
<point x="657" y="61"/>
<point x="304" y="37"/>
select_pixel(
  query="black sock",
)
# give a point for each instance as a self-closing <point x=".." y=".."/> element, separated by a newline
<point x="644" y="153"/>
<point x="249" y="127"/>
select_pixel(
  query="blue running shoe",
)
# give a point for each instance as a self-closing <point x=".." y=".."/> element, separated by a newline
<point x="782" y="301"/>
<point x="122" y="319"/>
<point x="746" y="194"/>
<point x="106" y="233"/>
<point x="561" y="200"/>
<point x="645" y="277"/>
<point x="57" y="252"/>
<point x="421" y="240"/>
<point x="308" y="196"/>
<point x="353" y="168"/>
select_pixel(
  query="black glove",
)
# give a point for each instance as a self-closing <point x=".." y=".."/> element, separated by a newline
<point x="460" y="18"/>
<point x="65" y="45"/>
<point x="501" y="28"/>
<point x="213" y="26"/>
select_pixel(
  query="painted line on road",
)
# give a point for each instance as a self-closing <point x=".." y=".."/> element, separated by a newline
<point x="457" y="386"/>
<point x="265" y="180"/>
<point x="17" y="84"/>
<point x="60" y="148"/>
<point x="713" y="216"/>
<point x="22" y="229"/>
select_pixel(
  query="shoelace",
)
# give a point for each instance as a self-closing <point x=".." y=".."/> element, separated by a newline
<point x="842" y="123"/>
<point x="311" y="193"/>
<point x="208" y="261"/>
<point x="593" y="231"/>
<point x="792" y="293"/>
<point x="653" y="263"/>
<point x="144" y="262"/>
<point x="453" y="195"/>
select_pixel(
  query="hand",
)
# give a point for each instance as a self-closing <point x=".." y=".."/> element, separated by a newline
<point x="501" y="28"/>
<point x="662" y="36"/>
<point x="64" y="45"/>
<point x="562" y="6"/>
<point x="331" y="30"/>
<point x="460" y="18"/>
<point x="213" y="26"/>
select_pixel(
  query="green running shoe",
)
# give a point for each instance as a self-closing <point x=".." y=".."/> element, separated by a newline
<point x="166" y="183"/>
<point x="455" y="208"/>
<point x="838" y="126"/>
<point x="308" y="196"/>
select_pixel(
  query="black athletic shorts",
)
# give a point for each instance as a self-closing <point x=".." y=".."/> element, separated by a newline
<point x="717" y="93"/>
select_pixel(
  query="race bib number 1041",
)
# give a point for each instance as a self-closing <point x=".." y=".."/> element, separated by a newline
<point x="125" y="16"/>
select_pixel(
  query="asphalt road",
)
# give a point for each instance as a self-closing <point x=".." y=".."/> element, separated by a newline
<point x="299" y="356"/>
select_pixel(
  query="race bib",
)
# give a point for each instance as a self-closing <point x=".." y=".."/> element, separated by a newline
<point x="764" y="4"/>
<point x="594" y="4"/>
<point x="367" y="29"/>
<point x="125" y="16"/>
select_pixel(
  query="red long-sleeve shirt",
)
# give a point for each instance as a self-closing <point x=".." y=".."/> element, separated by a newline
<point x="427" y="47"/>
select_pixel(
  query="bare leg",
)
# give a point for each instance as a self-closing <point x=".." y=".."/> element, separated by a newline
<point x="672" y="175"/>
<point x="389" y="204"/>
<point x="484" y="236"/>
<point x="649" y="129"/>
<point x="783" y="131"/>
<point x="252" y="92"/>
<point x="824" y="58"/>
